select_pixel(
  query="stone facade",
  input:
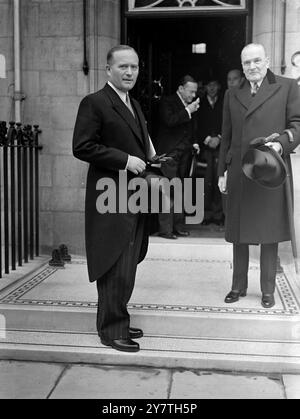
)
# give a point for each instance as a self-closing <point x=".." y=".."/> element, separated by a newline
<point x="54" y="84"/>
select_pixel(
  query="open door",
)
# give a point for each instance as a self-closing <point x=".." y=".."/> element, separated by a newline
<point x="165" y="47"/>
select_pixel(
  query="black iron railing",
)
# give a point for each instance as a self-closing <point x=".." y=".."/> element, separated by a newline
<point x="19" y="194"/>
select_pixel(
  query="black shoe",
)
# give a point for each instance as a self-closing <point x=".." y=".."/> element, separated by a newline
<point x="267" y="300"/>
<point x="168" y="236"/>
<point x="234" y="296"/>
<point x="125" y="345"/>
<point x="135" y="333"/>
<point x="181" y="233"/>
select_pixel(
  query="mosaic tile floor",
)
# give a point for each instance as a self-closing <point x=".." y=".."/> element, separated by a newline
<point x="162" y="284"/>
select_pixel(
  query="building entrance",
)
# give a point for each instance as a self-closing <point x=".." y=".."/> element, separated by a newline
<point x="169" y="48"/>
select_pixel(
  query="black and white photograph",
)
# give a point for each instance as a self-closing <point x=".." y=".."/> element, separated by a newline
<point x="149" y="203"/>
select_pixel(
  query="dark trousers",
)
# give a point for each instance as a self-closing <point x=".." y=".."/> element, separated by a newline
<point x="268" y="264"/>
<point x="213" y="207"/>
<point x="116" y="286"/>
<point x="169" y="222"/>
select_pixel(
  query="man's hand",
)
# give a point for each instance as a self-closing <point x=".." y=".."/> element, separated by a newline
<point x="222" y="183"/>
<point x="159" y="159"/>
<point x="135" y="165"/>
<point x="276" y="146"/>
<point x="196" y="148"/>
<point x="213" y="142"/>
<point x="194" y="106"/>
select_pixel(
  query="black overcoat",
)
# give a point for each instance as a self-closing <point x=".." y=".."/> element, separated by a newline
<point x="176" y="132"/>
<point x="105" y="134"/>
<point x="255" y="214"/>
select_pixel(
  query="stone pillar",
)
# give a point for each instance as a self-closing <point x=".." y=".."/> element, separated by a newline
<point x="6" y="49"/>
<point x="268" y="29"/>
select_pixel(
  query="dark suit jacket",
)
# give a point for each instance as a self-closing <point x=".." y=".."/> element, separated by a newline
<point x="256" y="214"/>
<point x="105" y="133"/>
<point x="176" y="132"/>
<point x="209" y="121"/>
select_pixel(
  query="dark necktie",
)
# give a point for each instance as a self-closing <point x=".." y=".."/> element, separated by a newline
<point x="254" y="89"/>
<point x="128" y="104"/>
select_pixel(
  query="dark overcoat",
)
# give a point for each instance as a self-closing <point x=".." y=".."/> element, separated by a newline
<point x="105" y="134"/>
<point x="255" y="214"/>
<point x="176" y="132"/>
<point x="209" y="120"/>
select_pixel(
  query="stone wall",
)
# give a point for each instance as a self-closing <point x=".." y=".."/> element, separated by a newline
<point x="268" y="25"/>
<point x="54" y="84"/>
<point x="6" y="49"/>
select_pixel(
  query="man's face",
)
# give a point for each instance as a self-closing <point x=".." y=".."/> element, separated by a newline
<point x="212" y="89"/>
<point x="255" y="63"/>
<point x="296" y="67"/>
<point x="188" y="91"/>
<point x="123" y="70"/>
<point x="234" y="79"/>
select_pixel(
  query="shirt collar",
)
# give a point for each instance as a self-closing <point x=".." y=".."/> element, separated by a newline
<point x="180" y="97"/>
<point x="212" y="101"/>
<point x="259" y="83"/>
<point x="122" y="95"/>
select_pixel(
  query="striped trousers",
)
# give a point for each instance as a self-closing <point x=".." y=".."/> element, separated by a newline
<point x="116" y="286"/>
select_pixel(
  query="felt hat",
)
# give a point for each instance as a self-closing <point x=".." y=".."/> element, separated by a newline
<point x="264" y="165"/>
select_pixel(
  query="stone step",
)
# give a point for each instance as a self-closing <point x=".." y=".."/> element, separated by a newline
<point x="268" y="356"/>
<point x="179" y="323"/>
<point x="179" y="291"/>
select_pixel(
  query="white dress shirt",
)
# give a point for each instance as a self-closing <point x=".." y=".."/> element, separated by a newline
<point x="122" y="95"/>
<point x="185" y="104"/>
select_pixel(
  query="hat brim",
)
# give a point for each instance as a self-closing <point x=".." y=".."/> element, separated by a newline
<point x="248" y="167"/>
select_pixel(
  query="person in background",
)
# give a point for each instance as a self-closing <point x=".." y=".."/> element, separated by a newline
<point x="209" y="135"/>
<point x="234" y="78"/>
<point x="176" y="139"/>
<point x="295" y="59"/>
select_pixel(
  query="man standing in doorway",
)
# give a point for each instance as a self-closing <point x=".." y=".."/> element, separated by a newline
<point x="263" y="105"/>
<point x="111" y="135"/>
<point x="175" y="138"/>
<point x="234" y="78"/>
<point x="209" y="134"/>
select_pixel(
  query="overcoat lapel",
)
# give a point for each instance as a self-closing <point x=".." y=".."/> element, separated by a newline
<point x="264" y="93"/>
<point x="142" y="125"/>
<point x="243" y="95"/>
<point x="123" y="111"/>
<point x="268" y="88"/>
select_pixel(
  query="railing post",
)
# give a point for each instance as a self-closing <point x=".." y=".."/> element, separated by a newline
<point x="3" y="130"/>
<point x="25" y="195"/>
<point x="37" y="147"/>
<point x="5" y="205"/>
<point x="19" y="193"/>
<point x="11" y="143"/>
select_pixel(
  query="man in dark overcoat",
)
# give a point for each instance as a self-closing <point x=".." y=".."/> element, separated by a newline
<point x="209" y="137"/>
<point x="264" y="104"/>
<point x="176" y="138"/>
<point x="111" y="135"/>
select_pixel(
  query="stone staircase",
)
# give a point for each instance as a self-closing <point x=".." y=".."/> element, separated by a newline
<point x="178" y="301"/>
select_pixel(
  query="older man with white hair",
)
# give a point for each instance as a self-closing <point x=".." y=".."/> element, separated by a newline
<point x="264" y="104"/>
